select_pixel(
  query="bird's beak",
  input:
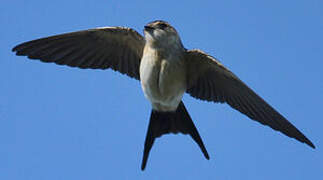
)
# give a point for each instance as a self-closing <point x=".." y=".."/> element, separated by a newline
<point x="149" y="28"/>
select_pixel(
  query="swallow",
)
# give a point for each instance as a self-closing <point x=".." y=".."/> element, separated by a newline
<point x="166" y="70"/>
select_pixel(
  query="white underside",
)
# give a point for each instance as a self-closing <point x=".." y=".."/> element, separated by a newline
<point x="162" y="81"/>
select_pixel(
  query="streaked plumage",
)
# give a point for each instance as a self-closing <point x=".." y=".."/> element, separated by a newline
<point x="166" y="70"/>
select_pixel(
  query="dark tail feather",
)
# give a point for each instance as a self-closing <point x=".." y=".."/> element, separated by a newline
<point x="170" y="122"/>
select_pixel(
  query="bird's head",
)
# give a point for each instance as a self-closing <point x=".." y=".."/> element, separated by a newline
<point x="161" y="34"/>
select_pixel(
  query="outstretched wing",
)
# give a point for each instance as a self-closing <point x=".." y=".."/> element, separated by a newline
<point x="117" y="48"/>
<point x="210" y="80"/>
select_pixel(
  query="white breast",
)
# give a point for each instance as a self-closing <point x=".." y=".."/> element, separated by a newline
<point x="163" y="80"/>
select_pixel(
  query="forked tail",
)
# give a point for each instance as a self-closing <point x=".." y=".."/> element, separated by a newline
<point x="170" y="122"/>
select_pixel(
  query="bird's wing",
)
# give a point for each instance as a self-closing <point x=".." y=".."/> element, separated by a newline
<point x="117" y="48"/>
<point x="209" y="80"/>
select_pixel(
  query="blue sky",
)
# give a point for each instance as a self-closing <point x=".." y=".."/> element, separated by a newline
<point x="58" y="122"/>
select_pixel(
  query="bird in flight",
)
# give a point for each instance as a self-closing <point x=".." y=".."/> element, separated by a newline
<point x="166" y="70"/>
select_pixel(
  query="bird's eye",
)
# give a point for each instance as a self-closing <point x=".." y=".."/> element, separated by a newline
<point x="162" y="26"/>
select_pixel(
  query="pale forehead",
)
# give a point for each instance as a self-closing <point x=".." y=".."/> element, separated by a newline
<point x="156" y="22"/>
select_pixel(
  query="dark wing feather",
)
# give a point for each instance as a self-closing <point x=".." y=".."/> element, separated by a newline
<point x="210" y="80"/>
<point x="117" y="48"/>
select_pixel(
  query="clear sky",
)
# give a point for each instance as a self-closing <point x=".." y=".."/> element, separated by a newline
<point x="58" y="122"/>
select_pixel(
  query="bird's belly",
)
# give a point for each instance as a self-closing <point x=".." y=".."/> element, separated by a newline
<point x="162" y="84"/>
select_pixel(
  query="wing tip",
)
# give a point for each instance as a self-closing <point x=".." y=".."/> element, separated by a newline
<point x="309" y="143"/>
<point x="14" y="49"/>
<point x="18" y="50"/>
